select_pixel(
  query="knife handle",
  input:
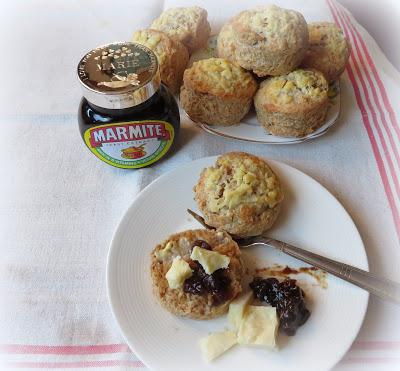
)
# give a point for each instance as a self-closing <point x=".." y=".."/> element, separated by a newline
<point x="382" y="287"/>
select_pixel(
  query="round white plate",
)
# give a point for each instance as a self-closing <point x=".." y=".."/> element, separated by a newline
<point x="311" y="218"/>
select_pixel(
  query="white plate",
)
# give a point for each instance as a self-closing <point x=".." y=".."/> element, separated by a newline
<point x="311" y="218"/>
<point x="249" y="129"/>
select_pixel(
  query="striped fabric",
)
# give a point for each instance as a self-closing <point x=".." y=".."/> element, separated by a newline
<point x="378" y="117"/>
<point x="383" y="131"/>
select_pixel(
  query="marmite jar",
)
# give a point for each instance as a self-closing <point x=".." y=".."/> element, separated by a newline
<point x="127" y="117"/>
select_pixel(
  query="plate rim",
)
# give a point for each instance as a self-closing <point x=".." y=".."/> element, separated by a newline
<point x="127" y="215"/>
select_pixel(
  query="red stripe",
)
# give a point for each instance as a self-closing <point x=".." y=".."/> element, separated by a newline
<point x="64" y="349"/>
<point x="372" y="85"/>
<point x="374" y="360"/>
<point x="360" y="75"/>
<point x="370" y="133"/>
<point x="382" y="89"/>
<point x="376" y="345"/>
<point x="83" y="364"/>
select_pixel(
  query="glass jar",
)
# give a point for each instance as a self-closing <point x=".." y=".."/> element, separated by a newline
<point x="127" y="117"/>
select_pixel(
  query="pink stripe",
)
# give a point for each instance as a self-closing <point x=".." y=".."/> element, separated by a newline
<point x="376" y="345"/>
<point x="64" y="349"/>
<point x="382" y="115"/>
<point x="371" y="108"/>
<point x="370" y="133"/>
<point x="372" y="85"/>
<point x="382" y="89"/>
<point x="374" y="360"/>
<point x="83" y="364"/>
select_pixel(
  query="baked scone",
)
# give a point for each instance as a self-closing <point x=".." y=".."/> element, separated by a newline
<point x="329" y="50"/>
<point x="267" y="40"/>
<point x="292" y="105"/>
<point x="189" y="25"/>
<point x="240" y="194"/>
<point x="172" y="55"/>
<point x="216" y="91"/>
<point x="196" y="295"/>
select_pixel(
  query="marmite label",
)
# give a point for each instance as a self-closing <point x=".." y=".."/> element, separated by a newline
<point x="131" y="144"/>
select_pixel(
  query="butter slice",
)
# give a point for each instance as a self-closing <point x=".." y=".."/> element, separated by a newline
<point x="259" y="327"/>
<point x="178" y="272"/>
<point x="217" y="343"/>
<point x="237" y="309"/>
<point x="163" y="254"/>
<point x="209" y="260"/>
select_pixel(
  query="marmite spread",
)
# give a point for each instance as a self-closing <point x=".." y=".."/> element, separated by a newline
<point x="127" y="117"/>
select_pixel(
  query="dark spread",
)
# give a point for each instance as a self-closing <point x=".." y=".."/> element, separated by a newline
<point x="127" y="117"/>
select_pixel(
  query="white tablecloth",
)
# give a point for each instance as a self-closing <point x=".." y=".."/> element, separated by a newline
<point x="60" y="205"/>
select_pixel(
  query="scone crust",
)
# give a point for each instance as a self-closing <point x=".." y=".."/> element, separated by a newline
<point x="329" y="50"/>
<point x="267" y="40"/>
<point x="240" y="194"/>
<point x="212" y="110"/>
<point x="216" y="91"/>
<point x="188" y="305"/>
<point x="172" y="56"/>
<point x="292" y="105"/>
<point x="188" y="25"/>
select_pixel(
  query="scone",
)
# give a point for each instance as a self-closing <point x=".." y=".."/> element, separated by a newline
<point x="189" y="25"/>
<point x="217" y="92"/>
<point x="267" y="40"/>
<point x="292" y="105"/>
<point x="197" y="273"/>
<point x="172" y="56"/>
<point x="240" y="194"/>
<point x="329" y="50"/>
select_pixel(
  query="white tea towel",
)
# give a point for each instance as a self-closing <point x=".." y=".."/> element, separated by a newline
<point x="59" y="205"/>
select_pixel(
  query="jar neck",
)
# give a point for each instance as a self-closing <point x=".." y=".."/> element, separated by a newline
<point x="127" y="111"/>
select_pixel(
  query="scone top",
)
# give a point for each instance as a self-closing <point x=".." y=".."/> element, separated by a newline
<point x="329" y="49"/>
<point x="275" y="26"/>
<point x="220" y="77"/>
<point x="327" y="35"/>
<point x="239" y="178"/>
<point x="189" y="25"/>
<point x="294" y="89"/>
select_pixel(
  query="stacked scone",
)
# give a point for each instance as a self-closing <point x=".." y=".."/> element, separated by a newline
<point x="173" y="36"/>
<point x="267" y="42"/>
<point x="216" y="90"/>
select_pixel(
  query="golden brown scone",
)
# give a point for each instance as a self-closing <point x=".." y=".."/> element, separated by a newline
<point x="216" y="91"/>
<point x="292" y="105"/>
<point x="267" y="40"/>
<point x="189" y="25"/>
<point x="206" y="304"/>
<point x="172" y="56"/>
<point x="240" y="194"/>
<point x="329" y="50"/>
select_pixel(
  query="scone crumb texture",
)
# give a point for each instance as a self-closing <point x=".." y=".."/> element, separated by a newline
<point x="177" y="274"/>
<point x="209" y="260"/>
<point x="219" y="76"/>
<point x="216" y="344"/>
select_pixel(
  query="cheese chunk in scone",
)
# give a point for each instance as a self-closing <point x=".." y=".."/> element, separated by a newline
<point x="217" y="343"/>
<point x="259" y="327"/>
<point x="177" y="274"/>
<point x="209" y="260"/>
<point x="237" y="309"/>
